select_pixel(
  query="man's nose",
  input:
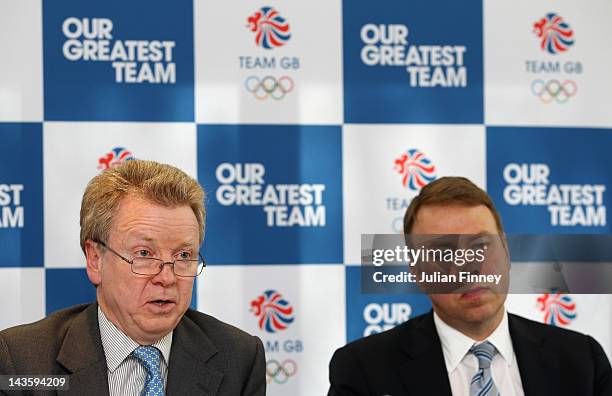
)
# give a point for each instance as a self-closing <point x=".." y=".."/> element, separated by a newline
<point x="166" y="276"/>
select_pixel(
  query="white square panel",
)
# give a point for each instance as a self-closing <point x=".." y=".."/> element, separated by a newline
<point x="567" y="85"/>
<point x="307" y="299"/>
<point x="21" y="75"/>
<point x="73" y="154"/>
<point x="377" y="190"/>
<point x="298" y="79"/>
<point x="22" y="292"/>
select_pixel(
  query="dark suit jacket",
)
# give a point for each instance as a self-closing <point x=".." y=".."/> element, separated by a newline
<point x="408" y="360"/>
<point x="208" y="357"/>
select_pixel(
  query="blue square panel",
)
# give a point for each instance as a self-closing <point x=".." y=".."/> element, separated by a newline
<point x="551" y="180"/>
<point x="118" y="61"/>
<point x="413" y="61"/>
<point x="368" y="314"/>
<point x="274" y="193"/>
<point x="21" y="197"/>
<point x="66" y="287"/>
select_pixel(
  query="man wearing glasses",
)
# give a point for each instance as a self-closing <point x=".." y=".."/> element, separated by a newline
<point x="141" y="227"/>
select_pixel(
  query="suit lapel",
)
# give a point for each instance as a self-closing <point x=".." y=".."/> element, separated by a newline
<point x="536" y="364"/>
<point x="189" y="370"/>
<point x="82" y="355"/>
<point x="423" y="371"/>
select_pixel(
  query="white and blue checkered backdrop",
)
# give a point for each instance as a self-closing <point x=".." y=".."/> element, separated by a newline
<point x="308" y="124"/>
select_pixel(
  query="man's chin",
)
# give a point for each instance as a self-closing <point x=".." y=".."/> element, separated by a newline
<point x="481" y="308"/>
<point x="153" y="331"/>
<point x="158" y="325"/>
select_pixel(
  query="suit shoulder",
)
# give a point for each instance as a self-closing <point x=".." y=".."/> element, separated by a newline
<point x="582" y="355"/>
<point x="33" y="347"/>
<point x="51" y="329"/>
<point x="386" y="341"/>
<point x="546" y="331"/>
<point x="218" y="331"/>
<point x="563" y="341"/>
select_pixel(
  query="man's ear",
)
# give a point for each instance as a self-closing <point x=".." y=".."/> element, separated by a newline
<point x="94" y="262"/>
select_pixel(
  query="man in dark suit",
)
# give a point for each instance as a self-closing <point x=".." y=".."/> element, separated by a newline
<point x="141" y="227"/>
<point x="468" y="344"/>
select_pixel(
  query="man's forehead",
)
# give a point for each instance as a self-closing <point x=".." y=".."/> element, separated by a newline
<point x="138" y="218"/>
<point x="156" y="237"/>
<point x="182" y="240"/>
<point x="135" y="205"/>
<point x="454" y="218"/>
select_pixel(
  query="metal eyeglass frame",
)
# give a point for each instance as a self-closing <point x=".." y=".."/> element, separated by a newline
<point x="162" y="263"/>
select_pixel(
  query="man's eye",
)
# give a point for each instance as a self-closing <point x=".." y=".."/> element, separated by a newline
<point x="143" y="253"/>
<point x="184" y="256"/>
<point x="480" y="244"/>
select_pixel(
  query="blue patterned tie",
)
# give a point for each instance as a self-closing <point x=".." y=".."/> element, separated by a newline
<point x="482" y="383"/>
<point x="150" y="358"/>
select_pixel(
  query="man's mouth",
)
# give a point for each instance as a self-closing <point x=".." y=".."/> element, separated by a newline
<point x="161" y="303"/>
<point x="474" y="292"/>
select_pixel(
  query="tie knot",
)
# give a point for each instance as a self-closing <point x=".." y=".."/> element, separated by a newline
<point x="484" y="353"/>
<point x="149" y="357"/>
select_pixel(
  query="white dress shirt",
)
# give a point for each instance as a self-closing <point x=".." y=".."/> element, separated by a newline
<point x="462" y="366"/>
<point x="126" y="376"/>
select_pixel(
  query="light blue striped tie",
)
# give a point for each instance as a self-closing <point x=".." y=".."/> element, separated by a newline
<point x="150" y="358"/>
<point x="482" y="383"/>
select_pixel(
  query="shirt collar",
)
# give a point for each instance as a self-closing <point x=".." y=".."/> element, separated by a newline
<point x="455" y="344"/>
<point x="118" y="346"/>
<point x="500" y="338"/>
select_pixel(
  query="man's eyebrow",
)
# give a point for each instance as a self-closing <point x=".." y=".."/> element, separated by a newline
<point x="484" y="234"/>
<point x="441" y="238"/>
<point x="478" y="235"/>
<point x="140" y="238"/>
<point x="191" y="243"/>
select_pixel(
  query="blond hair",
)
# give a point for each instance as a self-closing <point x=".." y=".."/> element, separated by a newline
<point x="159" y="183"/>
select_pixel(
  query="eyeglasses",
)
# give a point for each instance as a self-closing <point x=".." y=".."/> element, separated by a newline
<point x="189" y="268"/>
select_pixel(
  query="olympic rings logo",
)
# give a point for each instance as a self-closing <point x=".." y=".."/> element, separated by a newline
<point x="280" y="372"/>
<point x="553" y="90"/>
<point x="269" y="87"/>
